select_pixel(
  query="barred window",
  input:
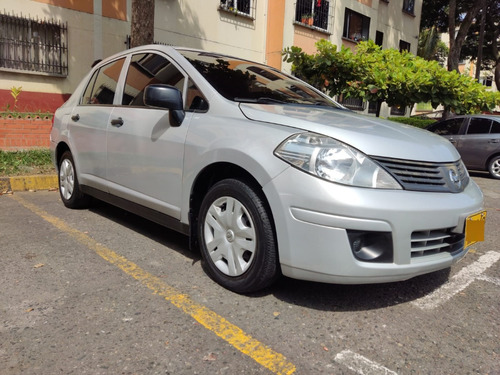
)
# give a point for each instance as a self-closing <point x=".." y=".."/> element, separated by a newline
<point x="355" y="104"/>
<point x="313" y="13"/>
<point x="36" y="46"/>
<point x="237" y="6"/>
<point x="398" y="110"/>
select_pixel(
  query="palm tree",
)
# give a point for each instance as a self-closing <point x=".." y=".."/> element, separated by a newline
<point x="430" y="45"/>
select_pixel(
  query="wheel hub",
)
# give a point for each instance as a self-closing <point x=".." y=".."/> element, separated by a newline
<point x="230" y="235"/>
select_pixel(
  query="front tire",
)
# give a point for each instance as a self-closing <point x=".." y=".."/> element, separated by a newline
<point x="237" y="239"/>
<point x="69" y="188"/>
<point x="494" y="167"/>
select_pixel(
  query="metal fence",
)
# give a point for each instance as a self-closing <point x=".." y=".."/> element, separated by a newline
<point x="356" y="104"/>
<point x="35" y="46"/>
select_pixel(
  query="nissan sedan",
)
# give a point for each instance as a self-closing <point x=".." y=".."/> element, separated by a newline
<point x="267" y="175"/>
<point x="477" y="139"/>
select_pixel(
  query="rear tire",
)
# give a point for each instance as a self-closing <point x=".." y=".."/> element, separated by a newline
<point x="494" y="167"/>
<point x="69" y="188"/>
<point x="237" y="240"/>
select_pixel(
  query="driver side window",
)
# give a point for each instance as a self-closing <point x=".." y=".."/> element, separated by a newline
<point x="146" y="69"/>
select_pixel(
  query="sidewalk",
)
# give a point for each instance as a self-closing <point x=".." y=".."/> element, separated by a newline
<point x="26" y="183"/>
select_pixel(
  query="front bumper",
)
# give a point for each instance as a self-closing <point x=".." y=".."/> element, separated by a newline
<point x="312" y="219"/>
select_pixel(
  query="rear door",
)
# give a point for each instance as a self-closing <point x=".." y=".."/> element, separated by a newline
<point x="450" y="129"/>
<point x="475" y="145"/>
<point x="88" y="124"/>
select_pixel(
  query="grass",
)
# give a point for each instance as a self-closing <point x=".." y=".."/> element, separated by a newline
<point x="19" y="163"/>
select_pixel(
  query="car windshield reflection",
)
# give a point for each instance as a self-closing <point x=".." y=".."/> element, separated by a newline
<point x="248" y="82"/>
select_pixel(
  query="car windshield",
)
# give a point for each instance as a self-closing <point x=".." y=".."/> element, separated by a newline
<point x="248" y="82"/>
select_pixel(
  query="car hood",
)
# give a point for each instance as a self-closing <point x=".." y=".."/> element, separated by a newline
<point x="372" y="136"/>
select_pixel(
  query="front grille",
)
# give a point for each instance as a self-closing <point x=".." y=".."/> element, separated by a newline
<point x="425" y="176"/>
<point x="430" y="242"/>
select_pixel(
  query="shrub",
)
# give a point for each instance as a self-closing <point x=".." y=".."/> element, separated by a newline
<point x="413" y="121"/>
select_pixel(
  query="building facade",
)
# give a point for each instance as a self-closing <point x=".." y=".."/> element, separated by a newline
<point x="47" y="46"/>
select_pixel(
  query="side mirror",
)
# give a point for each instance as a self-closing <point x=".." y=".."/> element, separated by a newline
<point x="166" y="97"/>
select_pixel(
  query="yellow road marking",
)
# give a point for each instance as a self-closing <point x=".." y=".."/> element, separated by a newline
<point x="235" y="336"/>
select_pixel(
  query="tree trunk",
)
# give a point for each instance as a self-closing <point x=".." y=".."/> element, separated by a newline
<point x="457" y="38"/>
<point x="379" y="106"/>
<point x="497" y="74"/>
<point x="143" y="17"/>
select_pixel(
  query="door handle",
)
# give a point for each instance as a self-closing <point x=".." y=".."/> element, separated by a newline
<point x="117" y="122"/>
<point x="76" y="117"/>
<point x="494" y="141"/>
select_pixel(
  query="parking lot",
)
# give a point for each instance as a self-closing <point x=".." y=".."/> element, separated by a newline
<point x="101" y="291"/>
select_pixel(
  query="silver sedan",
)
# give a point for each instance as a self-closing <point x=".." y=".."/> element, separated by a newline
<point x="266" y="174"/>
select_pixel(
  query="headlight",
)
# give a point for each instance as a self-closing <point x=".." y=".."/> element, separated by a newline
<point x="334" y="161"/>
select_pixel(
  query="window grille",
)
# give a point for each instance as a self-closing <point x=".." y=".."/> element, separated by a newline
<point x="355" y="104"/>
<point x="372" y="107"/>
<point x="243" y="7"/>
<point x="313" y="13"/>
<point x="37" y="46"/>
<point x="356" y="26"/>
<point x="398" y="111"/>
<point x="409" y="6"/>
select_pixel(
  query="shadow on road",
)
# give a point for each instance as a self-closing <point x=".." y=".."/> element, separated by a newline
<point x="328" y="297"/>
<point x="334" y="297"/>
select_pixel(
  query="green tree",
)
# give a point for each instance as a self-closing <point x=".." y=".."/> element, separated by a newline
<point x="430" y="45"/>
<point x="491" y="44"/>
<point x="387" y="75"/>
<point x="454" y="17"/>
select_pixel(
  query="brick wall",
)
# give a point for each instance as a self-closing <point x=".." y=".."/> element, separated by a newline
<point x="24" y="133"/>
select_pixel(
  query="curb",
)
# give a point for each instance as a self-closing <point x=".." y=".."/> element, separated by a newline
<point x="28" y="183"/>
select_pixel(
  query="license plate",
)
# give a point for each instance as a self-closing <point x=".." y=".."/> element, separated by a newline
<point x="474" y="228"/>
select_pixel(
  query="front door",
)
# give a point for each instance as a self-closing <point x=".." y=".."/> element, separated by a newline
<point x="144" y="152"/>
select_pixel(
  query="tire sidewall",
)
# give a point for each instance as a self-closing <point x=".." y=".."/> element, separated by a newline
<point x="490" y="167"/>
<point x="254" y="278"/>
<point x="77" y="199"/>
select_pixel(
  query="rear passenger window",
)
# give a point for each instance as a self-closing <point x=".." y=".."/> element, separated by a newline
<point x="495" y="128"/>
<point x="146" y="69"/>
<point x="479" y="126"/>
<point x="102" y="86"/>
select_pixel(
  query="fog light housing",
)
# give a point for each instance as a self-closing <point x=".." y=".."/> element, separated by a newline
<point x="373" y="247"/>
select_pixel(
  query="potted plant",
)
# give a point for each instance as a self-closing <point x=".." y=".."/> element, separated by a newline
<point x="307" y="19"/>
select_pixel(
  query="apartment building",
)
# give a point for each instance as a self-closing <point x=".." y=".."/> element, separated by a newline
<point x="47" y="46"/>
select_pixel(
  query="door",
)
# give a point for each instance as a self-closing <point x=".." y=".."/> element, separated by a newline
<point x="475" y="146"/>
<point x="144" y="152"/>
<point x="450" y="129"/>
<point x="88" y="124"/>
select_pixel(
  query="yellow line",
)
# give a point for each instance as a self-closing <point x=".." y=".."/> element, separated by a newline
<point x="245" y="343"/>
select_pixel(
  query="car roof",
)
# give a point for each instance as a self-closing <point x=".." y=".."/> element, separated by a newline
<point x="491" y="117"/>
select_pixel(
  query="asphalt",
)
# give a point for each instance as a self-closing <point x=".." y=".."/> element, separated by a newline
<point x="28" y="183"/>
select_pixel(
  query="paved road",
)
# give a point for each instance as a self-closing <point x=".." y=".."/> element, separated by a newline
<point x="101" y="291"/>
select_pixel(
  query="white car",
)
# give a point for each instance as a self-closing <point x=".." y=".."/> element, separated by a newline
<point x="266" y="174"/>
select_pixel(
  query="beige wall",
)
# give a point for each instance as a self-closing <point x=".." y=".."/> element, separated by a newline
<point x="201" y="24"/>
